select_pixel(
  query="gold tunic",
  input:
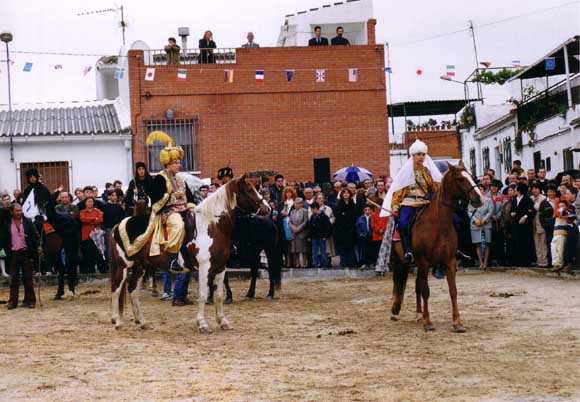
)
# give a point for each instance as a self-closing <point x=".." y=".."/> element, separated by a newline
<point x="414" y="195"/>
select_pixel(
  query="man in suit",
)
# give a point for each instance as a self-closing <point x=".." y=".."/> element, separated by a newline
<point x="338" y="40"/>
<point x="250" y="42"/>
<point x="318" y="40"/>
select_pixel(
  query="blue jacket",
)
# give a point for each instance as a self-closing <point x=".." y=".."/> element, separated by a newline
<point x="362" y="230"/>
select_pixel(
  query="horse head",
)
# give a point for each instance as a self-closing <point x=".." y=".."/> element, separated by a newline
<point x="247" y="197"/>
<point x="461" y="185"/>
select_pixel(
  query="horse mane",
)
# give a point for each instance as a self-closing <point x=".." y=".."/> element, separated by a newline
<point x="223" y="201"/>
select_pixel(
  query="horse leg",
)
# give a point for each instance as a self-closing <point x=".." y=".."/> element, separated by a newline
<point x="118" y="297"/>
<point x="229" y="295"/>
<point x="451" y="273"/>
<point x="252" y="290"/>
<point x="134" y="290"/>
<point x="274" y="267"/>
<point x="154" y="289"/>
<point x="423" y="275"/>
<point x="202" y="297"/>
<point x="418" y="293"/>
<point x="400" y="275"/>
<point x="219" y="302"/>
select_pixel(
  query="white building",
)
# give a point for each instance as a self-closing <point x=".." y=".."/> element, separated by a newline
<point x="543" y="130"/>
<point x="73" y="144"/>
<point x="352" y="15"/>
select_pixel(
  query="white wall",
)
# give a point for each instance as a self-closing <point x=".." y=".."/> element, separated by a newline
<point x="93" y="162"/>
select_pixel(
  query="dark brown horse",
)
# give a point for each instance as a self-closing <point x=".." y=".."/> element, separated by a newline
<point x="208" y="248"/>
<point x="434" y="243"/>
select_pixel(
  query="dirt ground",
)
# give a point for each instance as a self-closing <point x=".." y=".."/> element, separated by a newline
<point x="323" y="340"/>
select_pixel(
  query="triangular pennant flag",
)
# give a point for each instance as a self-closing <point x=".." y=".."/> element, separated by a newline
<point x="27" y="67"/>
<point x="150" y="74"/>
<point x="289" y="75"/>
<point x="352" y="74"/>
<point x="486" y="63"/>
<point x="181" y="74"/>
<point x="320" y="75"/>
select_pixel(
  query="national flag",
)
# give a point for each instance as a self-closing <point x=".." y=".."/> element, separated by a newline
<point x="352" y="74"/>
<point x="58" y="66"/>
<point x="259" y="75"/>
<point x="181" y="74"/>
<point x="388" y="70"/>
<point x="150" y="74"/>
<point x="486" y="64"/>
<point x="550" y="63"/>
<point x="289" y="75"/>
<point x="229" y="76"/>
<point x="451" y="70"/>
<point x="516" y="63"/>
<point x="320" y="75"/>
<point x="86" y="70"/>
<point x="27" y="67"/>
<point x="120" y="73"/>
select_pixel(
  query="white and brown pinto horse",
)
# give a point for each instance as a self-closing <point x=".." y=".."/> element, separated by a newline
<point x="208" y="248"/>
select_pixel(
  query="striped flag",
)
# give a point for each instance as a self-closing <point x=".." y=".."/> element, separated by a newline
<point x="320" y="75"/>
<point x="388" y="70"/>
<point x="259" y="75"/>
<point x="86" y="70"/>
<point x="149" y="74"/>
<point x="27" y="67"/>
<point x="516" y="63"/>
<point x="229" y="76"/>
<point x="181" y="74"/>
<point x="451" y="70"/>
<point x="353" y="74"/>
<point x="289" y="75"/>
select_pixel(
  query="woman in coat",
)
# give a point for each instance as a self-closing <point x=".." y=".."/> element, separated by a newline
<point x="523" y="213"/>
<point x="544" y="212"/>
<point x="282" y="218"/>
<point x="206" y="47"/>
<point x="298" y="222"/>
<point x="327" y="210"/>
<point x="481" y="226"/>
<point x="344" y="228"/>
<point x="139" y="188"/>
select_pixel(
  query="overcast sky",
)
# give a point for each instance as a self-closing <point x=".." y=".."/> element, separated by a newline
<point x="53" y="26"/>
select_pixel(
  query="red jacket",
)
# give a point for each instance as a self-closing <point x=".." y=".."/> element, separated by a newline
<point x="89" y="221"/>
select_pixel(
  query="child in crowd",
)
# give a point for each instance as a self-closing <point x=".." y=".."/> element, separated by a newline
<point x="320" y="230"/>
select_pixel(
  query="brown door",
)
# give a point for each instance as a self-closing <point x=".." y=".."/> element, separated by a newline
<point x="54" y="174"/>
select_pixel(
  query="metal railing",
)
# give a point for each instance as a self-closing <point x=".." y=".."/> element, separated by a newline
<point x="159" y="57"/>
<point x="548" y="103"/>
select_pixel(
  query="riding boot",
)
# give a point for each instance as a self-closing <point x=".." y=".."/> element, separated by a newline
<point x="175" y="266"/>
<point x="406" y="243"/>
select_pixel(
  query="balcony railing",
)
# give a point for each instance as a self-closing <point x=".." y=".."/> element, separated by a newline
<point x="159" y="57"/>
<point x="547" y="104"/>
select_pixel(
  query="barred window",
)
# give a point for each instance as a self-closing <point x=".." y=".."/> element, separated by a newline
<point x="183" y="133"/>
<point x="472" y="164"/>
<point x="485" y="158"/>
<point x="507" y="154"/>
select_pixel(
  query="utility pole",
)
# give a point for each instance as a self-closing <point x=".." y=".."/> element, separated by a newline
<point x="390" y="101"/>
<point x="479" y="90"/>
<point x="6" y="37"/>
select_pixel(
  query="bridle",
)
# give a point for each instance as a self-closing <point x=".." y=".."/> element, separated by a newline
<point x="464" y="198"/>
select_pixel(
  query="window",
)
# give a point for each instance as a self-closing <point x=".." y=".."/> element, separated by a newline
<point x="507" y="154"/>
<point x="472" y="164"/>
<point x="548" y="164"/>
<point x="538" y="163"/>
<point x="485" y="158"/>
<point x="568" y="159"/>
<point x="54" y="174"/>
<point x="183" y="133"/>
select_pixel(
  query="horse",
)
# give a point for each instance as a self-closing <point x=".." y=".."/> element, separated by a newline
<point x="434" y="243"/>
<point x="258" y="233"/>
<point x="208" y="245"/>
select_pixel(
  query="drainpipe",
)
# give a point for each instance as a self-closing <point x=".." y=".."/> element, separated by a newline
<point x="567" y="68"/>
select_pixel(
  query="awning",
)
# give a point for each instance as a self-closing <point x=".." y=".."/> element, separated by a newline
<point x="427" y="108"/>
<point x="538" y="69"/>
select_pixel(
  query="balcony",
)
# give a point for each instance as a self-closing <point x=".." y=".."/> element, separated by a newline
<point x="158" y="57"/>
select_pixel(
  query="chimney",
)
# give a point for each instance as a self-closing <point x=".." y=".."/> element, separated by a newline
<point x="184" y="33"/>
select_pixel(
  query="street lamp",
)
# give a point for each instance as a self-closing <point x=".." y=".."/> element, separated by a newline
<point x="464" y="83"/>
<point x="6" y="37"/>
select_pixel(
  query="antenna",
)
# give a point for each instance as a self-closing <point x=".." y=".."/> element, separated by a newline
<point x="479" y="90"/>
<point x="122" y="24"/>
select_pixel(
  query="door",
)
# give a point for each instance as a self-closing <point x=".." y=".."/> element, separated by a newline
<point x="322" y="170"/>
<point x="53" y="174"/>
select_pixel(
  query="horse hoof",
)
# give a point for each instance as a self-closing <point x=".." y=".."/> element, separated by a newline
<point x="429" y="327"/>
<point x="249" y="298"/>
<point x="459" y="329"/>
<point x="118" y="326"/>
<point x="209" y="302"/>
<point x="271" y="298"/>
<point x="113" y="321"/>
<point x="394" y="317"/>
<point x="419" y="317"/>
<point x="229" y="300"/>
<point x="226" y="326"/>
<point x="205" y="330"/>
<point x="146" y="326"/>
<point x="137" y="322"/>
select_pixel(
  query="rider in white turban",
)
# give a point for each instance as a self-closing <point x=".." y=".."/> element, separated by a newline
<point x="417" y="179"/>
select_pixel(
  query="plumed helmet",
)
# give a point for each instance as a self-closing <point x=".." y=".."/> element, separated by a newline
<point x="225" y="172"/>
<point x="170" y="152"/>
<point x="418" y="147"/>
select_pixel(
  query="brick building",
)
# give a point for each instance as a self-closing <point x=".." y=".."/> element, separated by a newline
<point x="281" y="125"/>
<point x="443" y="141"/>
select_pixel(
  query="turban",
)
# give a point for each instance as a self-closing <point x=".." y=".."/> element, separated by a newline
<point x="418" y="147"/>
<point x="170" y="152"/>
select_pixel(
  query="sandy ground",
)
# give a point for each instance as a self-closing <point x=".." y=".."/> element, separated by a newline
<point x="324" y="340"/>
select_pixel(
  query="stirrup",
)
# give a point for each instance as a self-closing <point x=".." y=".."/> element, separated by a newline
<point x="409" y="257"/>
<point x="462" y="255"/>
<point x="175" y="266"/>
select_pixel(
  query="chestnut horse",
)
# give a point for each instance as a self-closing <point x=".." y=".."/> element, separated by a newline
<point x="208" y="245"/>
<point x="434" y="242"/>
